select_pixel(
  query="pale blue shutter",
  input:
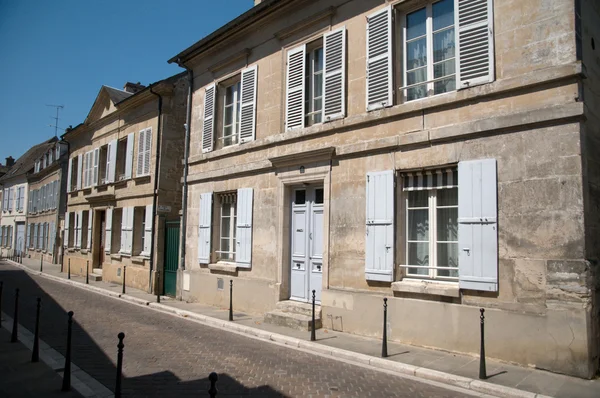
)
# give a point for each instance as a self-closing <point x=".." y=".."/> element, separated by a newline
<point x="477" y="225"/>
<point x="294" y="97"/>
<point x="208" y="121"/>
<point x="79" y="170"/>
<point x="111" y="160"/>
<point x="35" y="236"/>
<point x="148" y="228"/>
<point x="129" y="155"/>
<point x="52" y="237"/>
<point x="108" y="230"/>
<point x="379" y="59"/>
<point x="248" y="104"/>
<point x="379" y="250"/>
<point x="334" y="82"/>
<point x="28" y="232"/>
<point x="94" y="173"/>
<point x="66" y="230"/>
<point x="243" y="234"/>
<point x="204" y="222"/>
<point x="69" y="174"/>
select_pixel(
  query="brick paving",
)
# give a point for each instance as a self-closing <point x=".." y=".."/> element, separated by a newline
<point x="167" y="356"/>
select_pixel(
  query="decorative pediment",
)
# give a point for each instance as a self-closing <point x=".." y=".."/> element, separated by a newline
<point x="105" y="103"/>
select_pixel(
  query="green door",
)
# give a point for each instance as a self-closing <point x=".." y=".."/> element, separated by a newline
<point x="171" y="257"/>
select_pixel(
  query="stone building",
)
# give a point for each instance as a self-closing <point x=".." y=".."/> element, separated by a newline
<point x="15" y="193"/>
<point x="438" y="153"/>
<point x="46" y="202"/>
<point x="123" y="185"/>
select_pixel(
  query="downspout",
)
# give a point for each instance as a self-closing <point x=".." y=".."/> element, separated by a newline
<point x="184" y="194"/>
<point x="155" y="191"/>
<point x="64" y="161"/>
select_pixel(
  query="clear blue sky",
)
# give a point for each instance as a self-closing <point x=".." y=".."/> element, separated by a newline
<point x="62" y="51"/>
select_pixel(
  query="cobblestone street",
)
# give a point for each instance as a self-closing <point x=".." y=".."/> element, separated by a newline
<point x="167" y="356"/>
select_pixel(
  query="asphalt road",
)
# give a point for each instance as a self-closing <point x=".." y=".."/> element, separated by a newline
<point x="168" y="356"/>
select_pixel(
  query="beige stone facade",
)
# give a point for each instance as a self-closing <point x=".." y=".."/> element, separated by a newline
<point x="534" y="118"/>
<point x="118" y="204"/>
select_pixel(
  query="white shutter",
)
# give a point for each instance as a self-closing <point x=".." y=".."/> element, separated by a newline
<point x="294" y="83"/>
<point x="379" y="250"/>
<point x="5" y="200"/>
<point x="140" y="153"/>
<point x="129" y="155"/>
<point x="66" y="230"/>
<point x="89" y="230"/>
<point x="243" y="234"/>
<point x="379" y="59"/>
<point x="204" y="222"/>
<point x="208" y="121"/>
<point x="111" y="161"/>
<point x="130" y="214"/>
<point x="248" y="104"/>
<point x="84" y="165"/>
<point x="56" y="193"/>
<point x="52" y="239"/>
<point x="35" y="236"/>
<point x="477" y="225"/>
<point x="96" y="163"/>
<point x="69" y="174"/>
<point x="148" y="228"/>
<point x="147" y="146"/>
<point x="79" y="170"/>
<point x="108" y="229"/>
<point x="475" y="47"/>
<point x="10" y="198"/>
<point x="124" y="232"/>
<point x="334" y="82"/>
<point x="28" y="238"/>
<point x="79" y="219"/>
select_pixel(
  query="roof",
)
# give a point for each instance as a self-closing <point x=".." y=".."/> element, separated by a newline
<point x="255" y="12"/>
<point x="116" y="95"/>
<point x="27" y="161"/>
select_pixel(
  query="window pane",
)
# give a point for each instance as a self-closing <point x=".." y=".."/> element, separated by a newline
<point x="300" y="197"/>
<point x="228" y="115"/>
<point x="229" y="95"/>
<point x="226" y="210"/>
<point x="418" y="199"/>
<point x="447" y="256"/>
<point x="447" y="220"/>
<point x="416" y="92"/>
<point x="318" y="59"/>
<point x="447" y="197"/>
<point x="444" y="69"/>
<point x="445" y="86"/>
<point x="443" y="14"/>
<point x="416" y="54"/>
<point x="418" y="225"/>
<point x="418" y="254"/>
<point x="415" y="24"/>
<point x="318" y="86"/>
<point x="319" y="196"/>
<point x="225" y="248"/>
<point x="443" y="45"/>
<point x="416" y="76"/>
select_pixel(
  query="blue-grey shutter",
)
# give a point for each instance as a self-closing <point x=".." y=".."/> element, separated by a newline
<point x="379" y="59"/>
<point x="248" y="104"/>
<point x="129" y="155"/>
<point x="477" y="225"/>
<point x="243" y="234"/>
<point x="208" y="121"/>
<point x="66" y="230"/>
<point x="35" y="236"/>
<point x="334" y="82"/>
<point x="79" y="170"/>
<point x="204" y="222"/>
<point x="148" y="228"/>
<point x="379" y="250"/>
<point x="475" y="47"/>
<point x="69" y="174"/>
<point x="108" y="230"/>
<point x="294" y="92"/>
<point x="111" y="161"/>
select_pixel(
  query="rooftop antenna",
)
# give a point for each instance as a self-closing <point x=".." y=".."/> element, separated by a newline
<point x="58" y="107"/>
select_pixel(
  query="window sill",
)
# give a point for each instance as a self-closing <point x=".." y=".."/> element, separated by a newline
<point x="144" y="178"/>
<point x="71" y="250"/>
<point x="223" y="267"/>
<point x="84" y="251"/>
<point x="115" y="256"/>
<point x="449" y="289"/>
<point x="124" y="254"/>
<point x="138" y="259"/>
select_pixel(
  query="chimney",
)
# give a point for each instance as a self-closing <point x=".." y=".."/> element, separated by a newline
<point x="133" y="87"/>
<point x="10" y="161"/>
<point x="257" y="2"/>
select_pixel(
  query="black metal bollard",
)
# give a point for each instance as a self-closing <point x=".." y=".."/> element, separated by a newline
<point x="13" y="337"/>
<point x="213" y="378"/>
<point x="384" y="352"/>
<point x="35" y="354"/>
<point x="157" y="288"/>
<point x="87" y="272"/>
<point x="66" y="384"/>
<point x="119" y="365"/>
<point x="69" y="270"/>
<point x="231" y="300"/>
<point x="482" y="370"/>
<point x="41" y="262"/>
<point x="124" y="267"/>
<point x="313" y="336"/>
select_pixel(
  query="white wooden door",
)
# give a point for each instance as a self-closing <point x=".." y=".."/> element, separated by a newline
<point x="306" y="243"/>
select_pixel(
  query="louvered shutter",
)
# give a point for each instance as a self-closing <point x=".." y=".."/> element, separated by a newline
<point x="148" y="228"/>
<point x="111" y="161"/>
<point x="27" y="237"/>
<point x="10" y="198"/>
<point x="248" y="104"/>
<point x="56" y="193"/>
<point x="208" y="122"/>
<point x="294" y="98"/>
<point x="475" y="21"/>
<point x="130" y="215"/>
<point x="66" y="230"/>
<point x="129" y="155"/>
<point x="147" y="146"/>
<point x="379" y="250"/>
<point x="96" y="164"/>
<point x="79" y="171"/>
<point x="5" y="200"/>
<point x="69" y="174"/>
<point x="477" y="225"/>
<point x="108" y="230"/>
<point x="334" y="82"/>
<point x="35" y="236"/>
<point x="204" y="222"/>
<point x="243" y="234"/>
<point x="141" y="153"/>
<point x="379" y="59"/>
<point x="79" y="229"/>
<point x="124" y="212"/>
<point x="89" y="230"/>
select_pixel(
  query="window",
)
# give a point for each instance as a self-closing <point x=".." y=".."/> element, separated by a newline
<point x="103" y="165"/>
<point x="314" y="83"/>
<point x="115" y="236"/>
<point x="429" y="51"/>
<point x="226" y="226"/>
<point x="74" y="172"/>
<point x="85" y="223"/>
<point x="139" y="221"/>
<point x="229" y="105"/>
<point x="578" y="30"/>
<point x="121" y="159"/>
<point x="2" y="236"/>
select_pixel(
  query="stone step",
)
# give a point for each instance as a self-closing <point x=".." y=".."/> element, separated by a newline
<point x="291" y="320"/>
<point x="297" y="307"/>
<point x="95" y="277"/>
<point x="97" y="271"/>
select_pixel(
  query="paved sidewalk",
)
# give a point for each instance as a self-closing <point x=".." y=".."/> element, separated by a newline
<point x="458" y="369"/>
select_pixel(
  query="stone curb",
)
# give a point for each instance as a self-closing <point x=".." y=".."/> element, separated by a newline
<point x="332" y="352"/>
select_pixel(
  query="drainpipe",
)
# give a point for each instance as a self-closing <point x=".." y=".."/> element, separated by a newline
<point x="65" y="163"/>
<point x="155" y="191"/>
<point x="188" y="118"/>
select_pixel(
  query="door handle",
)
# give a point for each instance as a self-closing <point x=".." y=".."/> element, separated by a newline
<point x="310" y="236"/>
<point x="300" y="230"/>
<point x="298" y="266"/>
<point x="466" y="249"/>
